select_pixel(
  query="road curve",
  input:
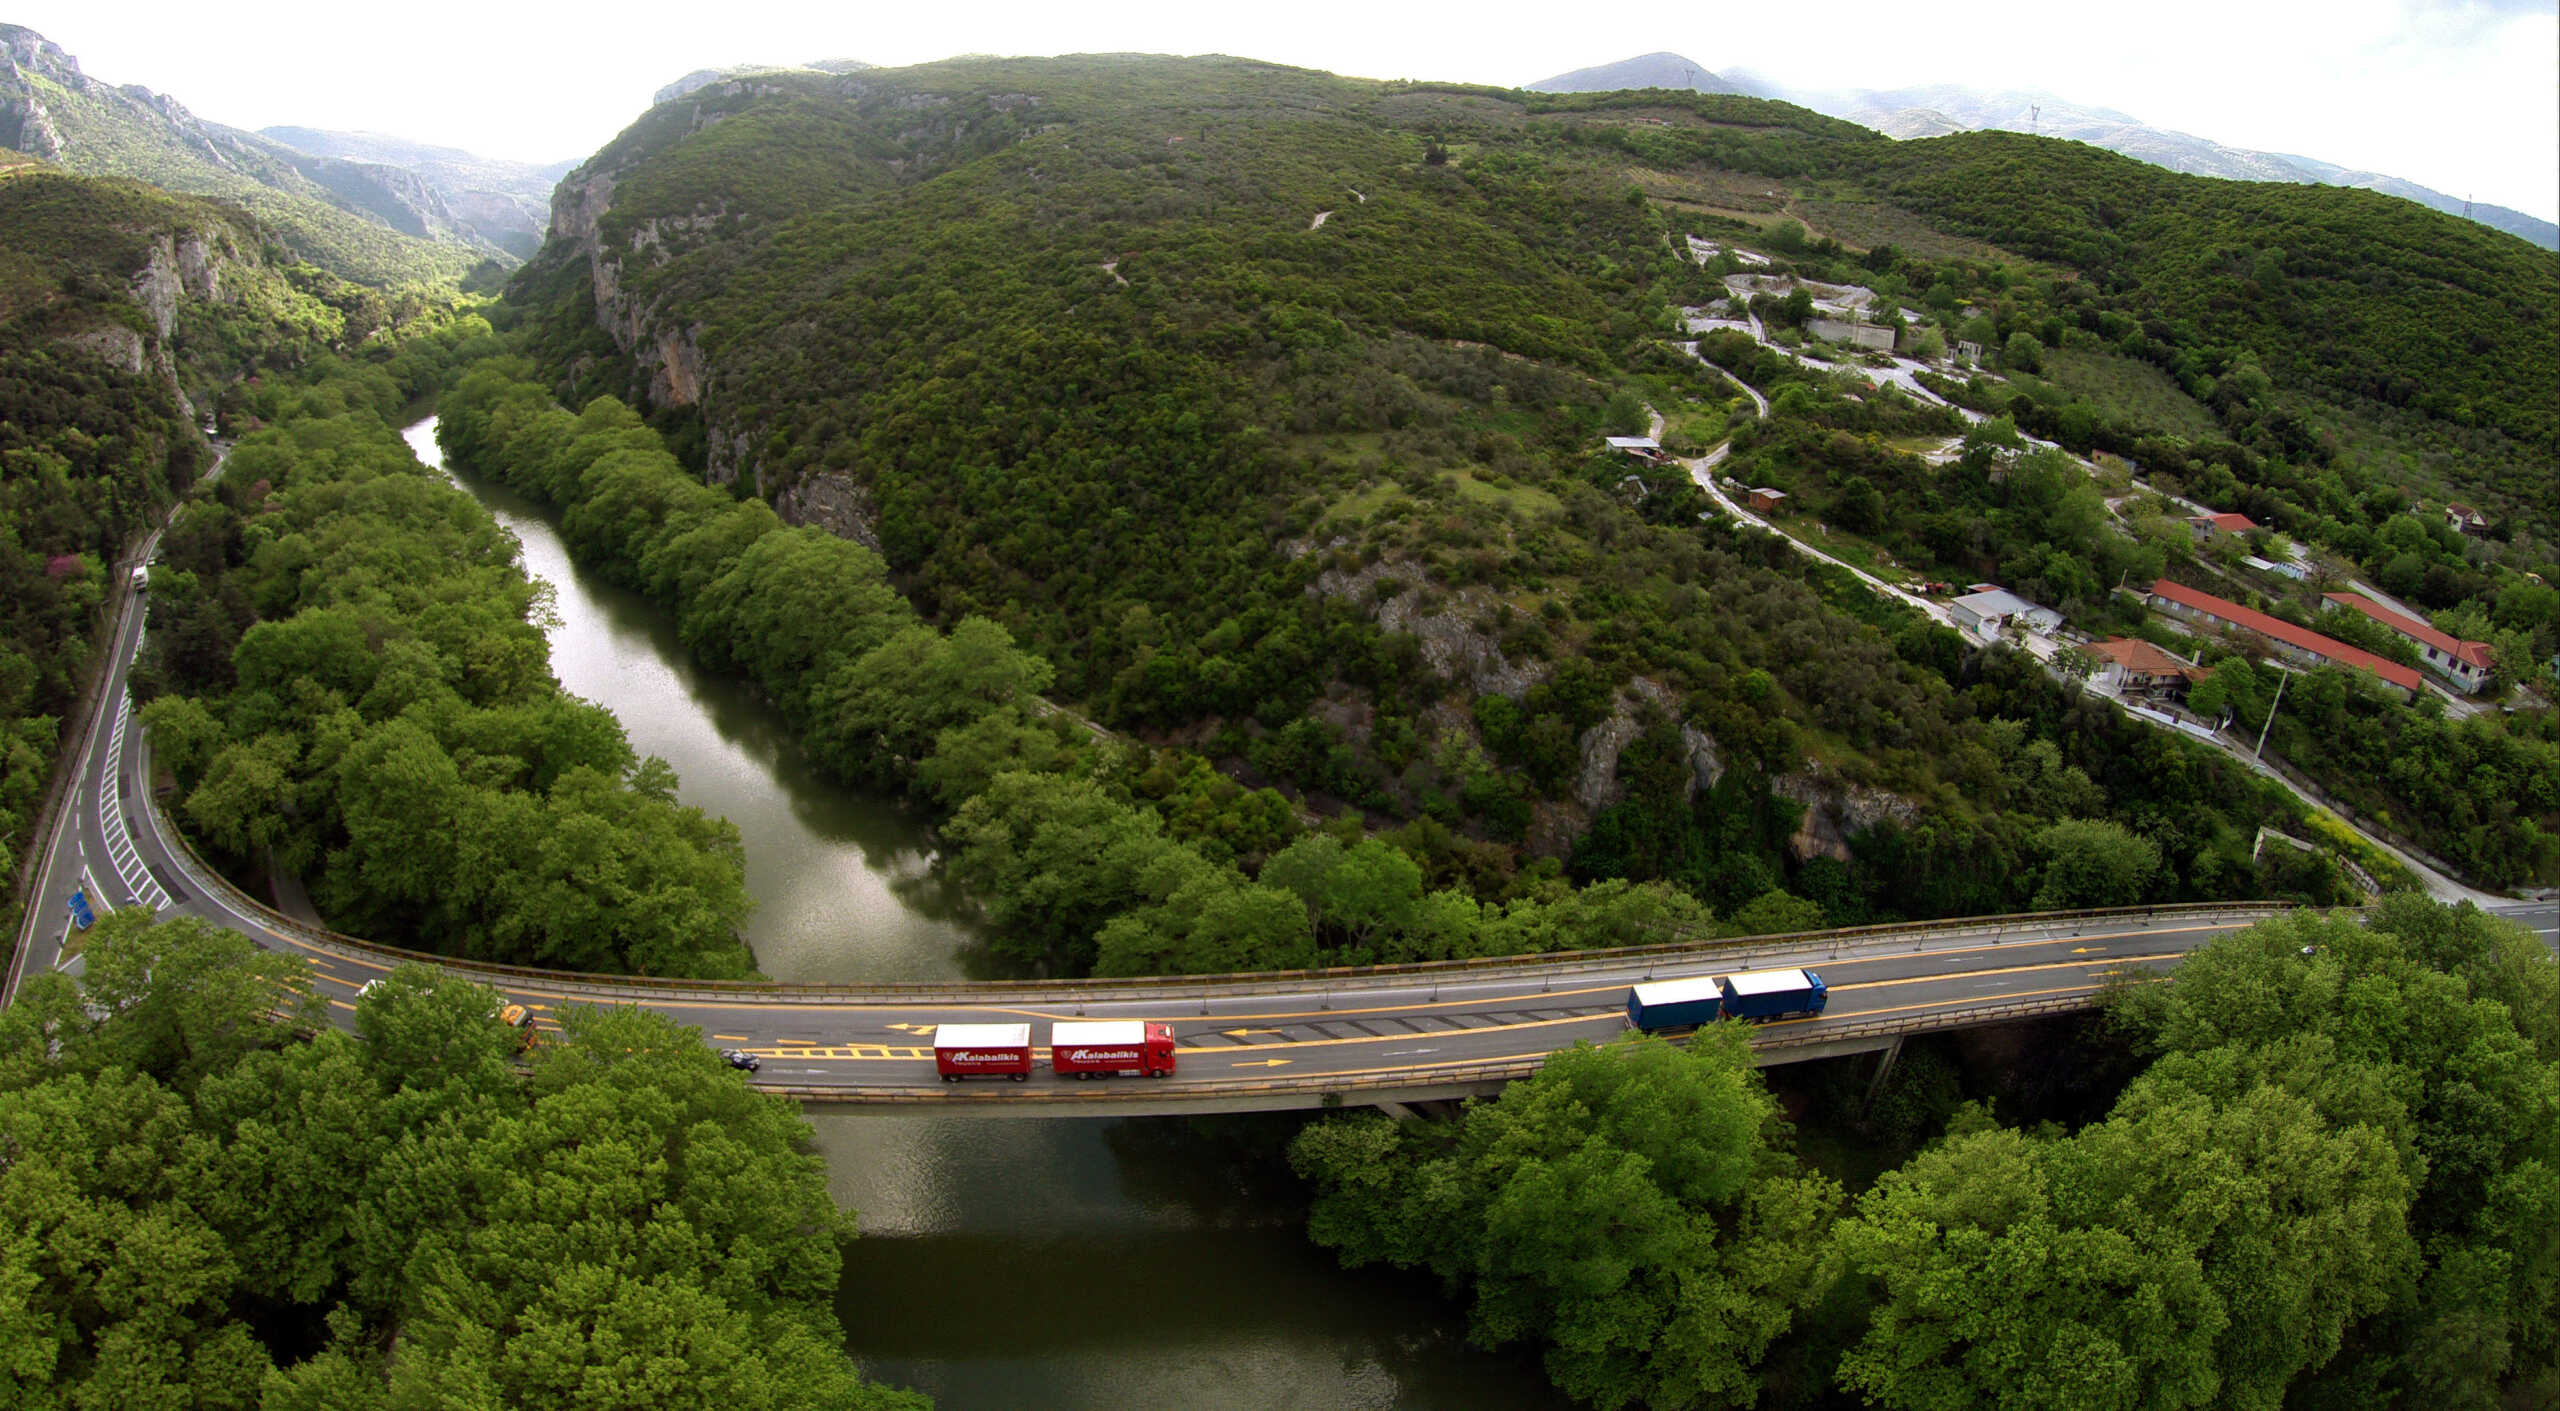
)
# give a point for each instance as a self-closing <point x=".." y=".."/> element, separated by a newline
<point x="1247" y="1042"/>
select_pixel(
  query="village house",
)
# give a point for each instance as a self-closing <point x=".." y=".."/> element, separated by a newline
<point x="2465" y="519"/>
<point x="2300" y="645"/>
<point x="2131" y="666"/>
<point x="2205" y="526"/>
<point x="1765" y="501"/>
<point x="1988" y="607"/>
<point x="2465" y="664"/>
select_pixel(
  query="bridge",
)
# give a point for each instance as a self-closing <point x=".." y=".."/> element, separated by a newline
<point x="1378" y="1035"/>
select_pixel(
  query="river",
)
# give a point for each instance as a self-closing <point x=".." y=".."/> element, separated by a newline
<point x="1062" y="1263"/>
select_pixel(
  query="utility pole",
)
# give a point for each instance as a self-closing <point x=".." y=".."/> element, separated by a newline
<point x="2035" y="120"/>
<point x="2271" y="714"/>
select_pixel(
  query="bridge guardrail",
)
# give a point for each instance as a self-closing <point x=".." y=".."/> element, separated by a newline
<point x="1490" y="1070"/>
<point x="1864" y="939"/>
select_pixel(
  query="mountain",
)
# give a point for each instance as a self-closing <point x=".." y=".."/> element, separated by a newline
<point x="1264" y="405"/>
<point x="704" y="78"/>
<point x="499" y="203"/>
<point x="372" y="223"/>
<point x="1939" y="109"/>
<point x="1657" y="70"/>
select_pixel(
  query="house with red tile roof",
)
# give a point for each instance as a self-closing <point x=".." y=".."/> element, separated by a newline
<point x="2205" y="526"/>
<point x="2297" y="644"/>
<point x="2465" y="664"/>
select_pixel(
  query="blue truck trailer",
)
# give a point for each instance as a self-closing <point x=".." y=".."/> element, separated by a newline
<point x="1751" y="994"/>
<point x="1674" y="1004"/>
<point x="1773" y="994"/>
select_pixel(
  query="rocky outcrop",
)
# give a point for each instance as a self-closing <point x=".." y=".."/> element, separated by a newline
<point x="835" y="502"/>
<point x="182" y="265"/>
<point x="1456" y="649"/>
<point x="1835" y="811"/>
<point x="1642" y="704"/>
<point x="116" y="344"/>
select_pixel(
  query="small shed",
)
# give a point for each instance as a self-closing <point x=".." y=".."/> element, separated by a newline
<point x="1766" y="501"/>
<point x="1641" y="448"/>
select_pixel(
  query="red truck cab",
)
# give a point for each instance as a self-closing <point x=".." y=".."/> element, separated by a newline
<point x="1096" y="1048"/>
<point x="969" y="1050"/>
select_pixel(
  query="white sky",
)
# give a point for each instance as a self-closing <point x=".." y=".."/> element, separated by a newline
<point x="2459" y="95"/>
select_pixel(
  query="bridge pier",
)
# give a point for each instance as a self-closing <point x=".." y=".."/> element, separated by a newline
<point x="1884" y="1069"/>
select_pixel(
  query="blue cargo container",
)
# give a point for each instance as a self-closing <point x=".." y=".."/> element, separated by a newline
<point x="1772" y="994"/>
<point x="1674" y="1004"/>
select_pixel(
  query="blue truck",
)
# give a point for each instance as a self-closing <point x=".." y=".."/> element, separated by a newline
<point x="1749" y="994"/>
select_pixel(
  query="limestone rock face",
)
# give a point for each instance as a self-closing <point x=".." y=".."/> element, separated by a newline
<point x="834" y="501"/>
<point x="115" y="343"/>
<point x="1454" y="647"/>
<point x="1836" y="810"/>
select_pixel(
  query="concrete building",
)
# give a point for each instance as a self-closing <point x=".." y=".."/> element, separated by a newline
<point x="2296" y="644"/>
<point x="1989" y="607"/>
<point x="1856" y="335"/>
<point x="2465" y="664"/>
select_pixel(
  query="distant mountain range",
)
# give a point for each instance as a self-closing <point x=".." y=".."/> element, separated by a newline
<point x="349" y="202"/>
<point x="502" y="203"/>
<point x="1939" y="109"/>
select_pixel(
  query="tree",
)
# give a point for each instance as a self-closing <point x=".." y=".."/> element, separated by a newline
<point x="1626" y="1206"/>
<point x="2022" y="353"/>
<point x="2093" y="862"/>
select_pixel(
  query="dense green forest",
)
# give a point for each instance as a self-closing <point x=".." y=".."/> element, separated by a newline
<point x="215" y="1198"/>
<point x="1318" y="503"/>
<point x="1134" y="859"/>
<point x="347" y="677"/>
<point x="109" y="352"/>
<point x="2330" y="1183"/>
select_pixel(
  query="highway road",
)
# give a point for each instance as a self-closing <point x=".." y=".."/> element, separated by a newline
<point x="1247" y="1042"/>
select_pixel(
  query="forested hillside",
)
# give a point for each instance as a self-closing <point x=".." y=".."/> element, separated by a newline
<point x="127" y="317"/>
<point x="1264" y="407"/>
<point x="215" y="1198"/>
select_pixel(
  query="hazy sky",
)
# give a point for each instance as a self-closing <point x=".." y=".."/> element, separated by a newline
<point x="2460" y="95"/>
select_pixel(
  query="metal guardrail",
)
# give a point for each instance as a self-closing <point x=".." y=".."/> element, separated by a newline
<point x="1862" y="938"/>
<point x="1484" y="1071"/>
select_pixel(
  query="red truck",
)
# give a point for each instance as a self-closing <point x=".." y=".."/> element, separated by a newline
<point x="1096" y="1048"/>
<point x="966" y="1050"/>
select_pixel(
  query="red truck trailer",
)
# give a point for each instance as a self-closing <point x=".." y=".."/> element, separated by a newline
<point x="967" y="1050"/>
<point x="1094" y="1048"/>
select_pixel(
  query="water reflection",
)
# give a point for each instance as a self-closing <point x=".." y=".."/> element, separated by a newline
<point x="844" y="883"/>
